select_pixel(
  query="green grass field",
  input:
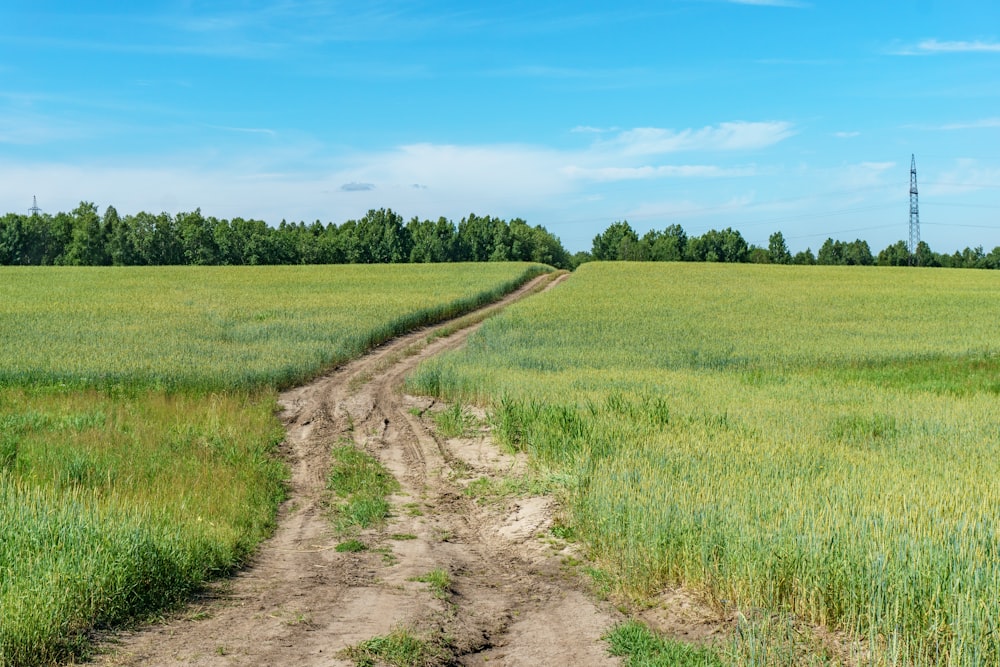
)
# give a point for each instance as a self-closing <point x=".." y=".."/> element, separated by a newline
<point x="138" y="423"/>
<point x="211" y="328"/>
<point x="819" y="442"/>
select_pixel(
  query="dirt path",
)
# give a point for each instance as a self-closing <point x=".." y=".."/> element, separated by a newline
<point x="509" y="599"/>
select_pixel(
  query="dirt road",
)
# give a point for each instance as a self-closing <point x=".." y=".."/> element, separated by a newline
<point x="507" y="599"/>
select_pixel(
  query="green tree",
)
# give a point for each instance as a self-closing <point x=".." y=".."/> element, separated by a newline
<point x="831" y="253"/>
<point x="855" y="253"/>
<point x="777" y="249"/>
<point x="666" y="246"/>
<point x="615" y="242"/>
<point x="431" y="241"/>
<point x="196" y="236"/>
<point x="897" y="254"/>
<point x="727" y="245"/>
<point x="13" y="233"/>
<point x="380" y="238"/>
<point x="992" y="260"/>
<point x="122" y="247"/>
<point x="58" y="239"/>
<point x="165" y="247"/>
<point x="249" y="242"/>
<point x="858" y="253"/>
<point x="87" y="246"/>
<point x="579" y="258"/>
<point x="804" y="257"/>
<point x="548" y="249"/>
<point x="924" y="256"/>
<point x="477" y="238"/>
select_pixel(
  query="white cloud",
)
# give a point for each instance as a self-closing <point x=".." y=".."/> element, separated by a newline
<point x="973" y="125"/>
<point x="246" y="130"/>
<point x="650" y="172"/>
<point x="865" y="175"/>
<point x="686" y="208"/>
<point x="876" y="167"/>
<point x="28" y="129"/>
<point x="357" y="187"/>
<point x="966" y="175"/>
<point x="846" y="135"/>
<point x="587" y="129"/>
<point x="770" y="3"/>
<point x="934" y="46"/>
<point x="300" y="181"/>
<point x="731" y="136"/>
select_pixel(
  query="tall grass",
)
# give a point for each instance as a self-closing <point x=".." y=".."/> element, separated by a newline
<point x="114" y="507"/>
<point x="221" y="328"/>
<point x="823" y="442"/>
<point x="138" y="427"/>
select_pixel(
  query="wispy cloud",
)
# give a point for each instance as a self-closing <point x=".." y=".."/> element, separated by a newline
<point x="662" y="171"/>
<point x="771" y="3"/>
<point x="687" y="208"/>
<point x="293" y="181"/>
<point x="731" y="136"/>
<point x="964" y="176"/>
<point x="32" y="129"/>
<point x="357" y="187"/>
<point x="246" y="130"/>
<point x="935" y="46"/>
<point x="846" y="135"/>
<point x="799" y="62"/>
<point x="588" y="129"/>
<point x="863" y="176"/>
<point x="973" y="125"/>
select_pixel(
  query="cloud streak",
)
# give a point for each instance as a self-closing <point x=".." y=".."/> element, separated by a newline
<point x="974" y="125"/>
<point x="771" y="3"/>
<point x="935" y="46"/>
<point x="357" y="187"/>
<point x="651" y="172"/>
<point x="731" y="136"/>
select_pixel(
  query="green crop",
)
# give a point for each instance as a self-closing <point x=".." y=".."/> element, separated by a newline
<point x="138" y="422"/>
<point x="822" y="442"/>
<point x="220" y="328"/>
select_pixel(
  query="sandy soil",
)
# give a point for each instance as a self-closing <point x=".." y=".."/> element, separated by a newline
<point x="511" y="599"/>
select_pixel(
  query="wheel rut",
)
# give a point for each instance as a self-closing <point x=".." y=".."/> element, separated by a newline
<point x="508" y="598"/>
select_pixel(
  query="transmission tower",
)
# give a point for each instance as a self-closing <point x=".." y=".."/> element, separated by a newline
<point x="34" y="206"/>
<point x="914" y="211"/>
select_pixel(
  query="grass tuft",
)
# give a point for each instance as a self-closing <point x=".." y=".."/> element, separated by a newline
<point x="641" y="647"/>
<point x="361" y="486"/>
<point x="439" y="582"/>
<point x="400" y="648"/>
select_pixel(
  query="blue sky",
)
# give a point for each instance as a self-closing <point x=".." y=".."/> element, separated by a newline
<point x="761" y="115"/>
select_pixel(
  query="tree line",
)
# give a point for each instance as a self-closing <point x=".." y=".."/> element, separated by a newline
<point x="83" y="237"/>
<point x="672" y="244"/>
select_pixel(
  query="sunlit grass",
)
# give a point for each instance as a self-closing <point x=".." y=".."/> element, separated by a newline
<point x="816" y="441"/>
<point x="138" y="422"/>
<point x="117" y="507"/>
<point x="219" y="328"/>
<point x="360" y="486"/>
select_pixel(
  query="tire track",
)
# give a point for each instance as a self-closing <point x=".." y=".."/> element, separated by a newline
<point x="300" y="602"/>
